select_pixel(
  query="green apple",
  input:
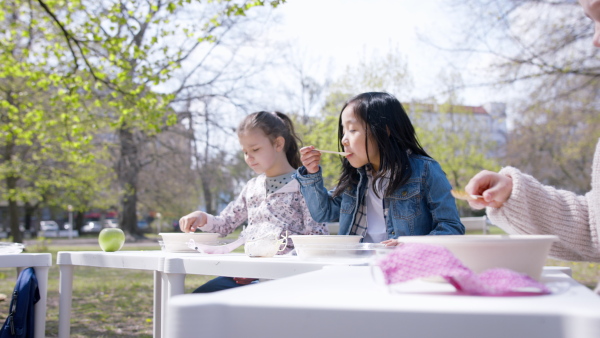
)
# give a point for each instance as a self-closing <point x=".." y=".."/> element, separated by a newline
<point x="111" y="239"/>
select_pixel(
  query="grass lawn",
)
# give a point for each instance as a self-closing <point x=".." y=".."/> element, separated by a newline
<point x="119" y="302"/>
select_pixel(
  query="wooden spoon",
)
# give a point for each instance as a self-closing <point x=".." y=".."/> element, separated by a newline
<point x="463" y="195"/>
<point x="333" y="152"/>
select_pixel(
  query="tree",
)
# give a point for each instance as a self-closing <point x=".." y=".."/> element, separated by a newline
<point x="539" y="57"/>
<point x="112" y="54"/>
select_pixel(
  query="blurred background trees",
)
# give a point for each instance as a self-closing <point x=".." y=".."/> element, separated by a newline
<point x="132" y="105"/>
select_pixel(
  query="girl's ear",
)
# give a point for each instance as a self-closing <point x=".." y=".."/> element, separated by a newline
<point x="279" y="143"/>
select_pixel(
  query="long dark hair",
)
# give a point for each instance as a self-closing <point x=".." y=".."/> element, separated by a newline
<point x="389" y="126"/>
<point x="275" y="124"/>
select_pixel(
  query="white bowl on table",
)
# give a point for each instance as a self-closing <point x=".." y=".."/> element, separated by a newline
<point x="321" y="246"/>
<point x="177" y="241"/>
<point x="324" y="239"/>
<point x="521" y="253"/>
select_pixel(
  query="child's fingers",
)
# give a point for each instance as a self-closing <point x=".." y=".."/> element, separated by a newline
<point x="312" y="165"/>
<point x="307" y="155"/>
<point x="390" y="242"/>
<point x="306" y="149"/>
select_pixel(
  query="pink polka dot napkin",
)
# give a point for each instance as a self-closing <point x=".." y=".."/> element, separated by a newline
<point x="414" y="260"/>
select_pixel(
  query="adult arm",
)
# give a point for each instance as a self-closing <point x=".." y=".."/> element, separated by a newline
<point x="534" y="208"/>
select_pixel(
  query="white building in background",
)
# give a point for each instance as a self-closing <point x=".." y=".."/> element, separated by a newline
<point x="488" y="121"/>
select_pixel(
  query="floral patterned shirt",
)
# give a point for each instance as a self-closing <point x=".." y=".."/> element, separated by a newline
<point x="281" y="211"/>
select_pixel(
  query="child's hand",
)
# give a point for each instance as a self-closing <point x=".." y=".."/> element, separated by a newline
<point x="243" y="281"/>
<point x="189" y="223"/>
<point x="310" y="159"/>
<point x="390" y="242"/>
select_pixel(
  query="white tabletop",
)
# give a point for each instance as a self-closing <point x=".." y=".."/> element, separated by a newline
<point x="25" y="260"/>
<point x="346" y="302"/>
<point x="137" y="260"/>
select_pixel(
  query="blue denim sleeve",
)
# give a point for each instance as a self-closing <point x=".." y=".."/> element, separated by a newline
<point x="322" y="207"/>
<point x="442" y="205"/>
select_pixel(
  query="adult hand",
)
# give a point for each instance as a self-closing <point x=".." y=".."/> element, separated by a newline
<point x="243" y="281"/>
<point x="310" y="159"/>
<point x="193" y="221"/>
<point x="495" y="189"/>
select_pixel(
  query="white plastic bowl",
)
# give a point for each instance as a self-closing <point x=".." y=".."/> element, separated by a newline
<point x="177" y="241"/>
<point x="11" y="248"/>
<point x="522" y="253"/>
<point x="324" y="239"/>
<point x="317" y="245"/>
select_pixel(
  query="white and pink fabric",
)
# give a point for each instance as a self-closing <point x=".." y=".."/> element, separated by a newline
<point x="414" y="260"/>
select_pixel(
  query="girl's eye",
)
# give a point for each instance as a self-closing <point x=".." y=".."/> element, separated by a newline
<point x="255" y="150"/>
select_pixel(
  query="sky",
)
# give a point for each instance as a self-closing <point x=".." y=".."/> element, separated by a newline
<point x="342" y="31"/>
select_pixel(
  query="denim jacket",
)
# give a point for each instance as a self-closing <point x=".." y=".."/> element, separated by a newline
<point x="422" y="206"/>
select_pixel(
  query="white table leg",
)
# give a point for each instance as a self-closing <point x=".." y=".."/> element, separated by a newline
<point x="175" y="285"/>
<point x="41" y="273"/>
<point x="165" y="294"/>
<point x="65" y="291"/>
<point x="158" y="292"/>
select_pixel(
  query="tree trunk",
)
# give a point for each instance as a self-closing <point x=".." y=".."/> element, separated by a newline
<point x="128" y="168"/>
<point x="29" y="210"/>
<point x="79" y="218"/>
<point x="208" y="197"/>
<point x="13" y="211"/>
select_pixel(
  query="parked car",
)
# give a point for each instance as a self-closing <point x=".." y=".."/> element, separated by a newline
<point x="111" y="223"/>
<point x="143" y="225"/>
<point x="91" y="227"/>
<point x="48" y="226"/>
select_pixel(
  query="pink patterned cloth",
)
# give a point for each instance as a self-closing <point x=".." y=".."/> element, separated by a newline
<point x="414" y="260"/>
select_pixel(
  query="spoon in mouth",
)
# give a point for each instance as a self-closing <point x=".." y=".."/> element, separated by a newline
<point x="343" y="153"/>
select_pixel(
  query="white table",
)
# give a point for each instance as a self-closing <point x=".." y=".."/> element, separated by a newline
<point x="40" y="262"/>
<point x="170" y="270"/>
<point x="346" y="302"/>
<point x="135" y="260"/>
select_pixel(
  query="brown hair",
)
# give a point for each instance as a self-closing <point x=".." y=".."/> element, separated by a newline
<point x="275" y="124"/>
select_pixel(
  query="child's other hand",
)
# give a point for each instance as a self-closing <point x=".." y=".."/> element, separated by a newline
<point x="390" y="242"/>
<point x="243" y="281"/>
<point x="310" y="159"/>
<point x="193" y="221"/>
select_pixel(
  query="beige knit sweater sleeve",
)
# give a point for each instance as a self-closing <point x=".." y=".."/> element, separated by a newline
<point x="537" y="209"/>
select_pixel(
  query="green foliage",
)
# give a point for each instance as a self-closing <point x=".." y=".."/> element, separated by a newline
<point x="74" y="69"/>
<point x="322" y="132"/>
<point x="458" y="142"/>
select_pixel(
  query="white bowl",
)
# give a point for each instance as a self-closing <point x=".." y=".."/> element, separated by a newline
<point x="324" y="239"/>
<point x="521" y="253"/>
<point x="177" y="241"/>
<point x="11" y="248"/>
